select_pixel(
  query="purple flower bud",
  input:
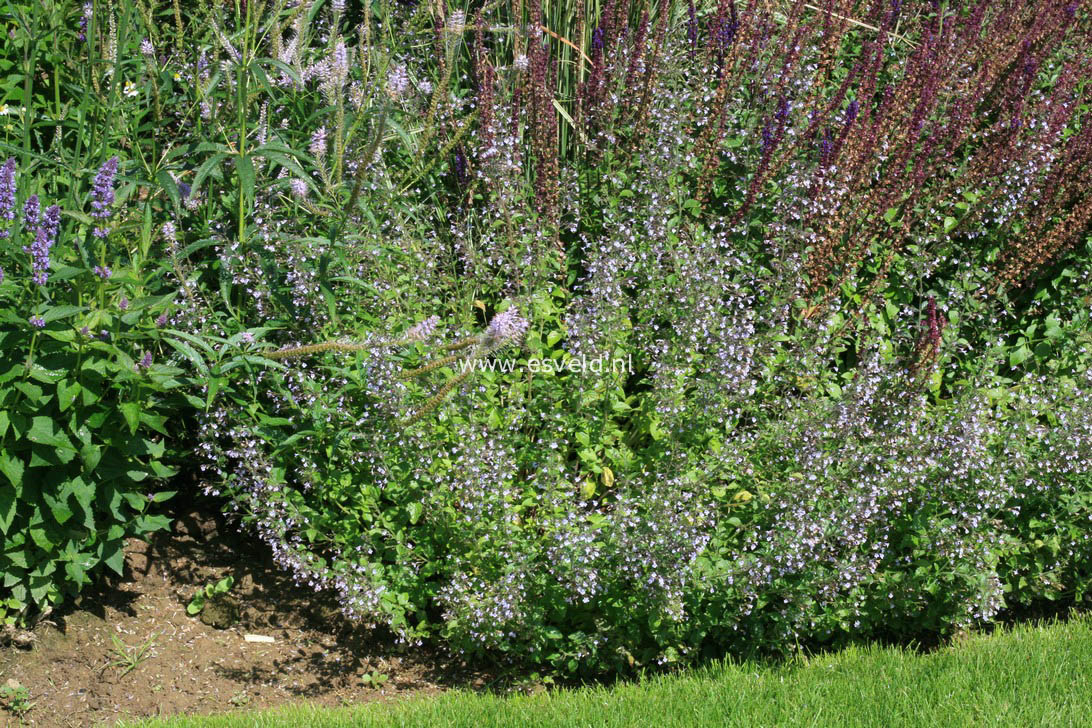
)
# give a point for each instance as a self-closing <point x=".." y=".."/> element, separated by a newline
<point x="37" y="322"/>
<point x="146" y="361"/>
<point x="102" y="272"/>
<point x="123" y="304"/>
<point x="460" y="166"/>
<point x="162" y="320"/>
<point x="851" y="112"/>
<point x="597" y="39"/>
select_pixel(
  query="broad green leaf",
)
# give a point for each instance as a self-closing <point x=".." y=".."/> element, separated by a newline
<point x="131" y="412"/>
<point x="66" y="393"/>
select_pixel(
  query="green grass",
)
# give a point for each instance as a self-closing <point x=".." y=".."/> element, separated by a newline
<point x="1031" y="676"/>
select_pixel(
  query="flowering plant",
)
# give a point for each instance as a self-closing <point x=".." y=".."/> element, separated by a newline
<point x="82" y="417"/>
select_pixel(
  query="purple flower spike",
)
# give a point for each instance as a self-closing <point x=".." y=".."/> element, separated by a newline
<point x="51" y="222"/>
<point x="102" y="194"/>
<point x="37" y="322"/>
<point x="31" y="210"/>
<point x="88" y="9"/>
<point x="7" y="193"/>
<point x="123" y="304"/>
<point x="851" y="112"/>
<point x="103" y="272"/>
<point x="39" y="256"/>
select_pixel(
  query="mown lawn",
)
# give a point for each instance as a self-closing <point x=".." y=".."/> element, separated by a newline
<point x="1030" y="676"/>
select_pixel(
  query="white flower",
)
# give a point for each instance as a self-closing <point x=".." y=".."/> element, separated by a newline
<point x="130" y="89"/>
<point x="4" y="109"/>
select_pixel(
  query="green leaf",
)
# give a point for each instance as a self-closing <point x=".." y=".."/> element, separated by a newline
<point x="949" y="223"/>
<point x="1019" y="356"/>
<point x="415" y="510"/>
<point x="41" y="432"/>
<point x="131" y="412"/>
<point x="113" y="556"/>
<point x="66" y="393"/>
<point x="245" y="168"/>
<point x="12" y="467"/>
<point x="8" y="497"/>
<point x="60" y="312"/>
<point x="166" y="181"/>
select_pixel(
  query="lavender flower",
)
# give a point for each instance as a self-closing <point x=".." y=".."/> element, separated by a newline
<point x="51" y="222"/>
<point x="123" y="304"/>
<point x="318" y="143"/>
<point x="39" y="256"/>
<point x="102" y="194"/>
<point x="507" y="327"/>
<point x="37" y="322"/>
<point x="169" y="232"/>
<point x="102" y="272"/>
<point x="162" y="320"/>
<point x="1" y="274"/>
<point x="7" y="193"/>
<point x="147" y="49"/>
<point x="31" y="209"/>
<point x="397" y="82"/>
<point x="145" y="362"/>
<point x="423" y="330"/>
<point x="88" y="9"/>
<point x="298" y="188"/>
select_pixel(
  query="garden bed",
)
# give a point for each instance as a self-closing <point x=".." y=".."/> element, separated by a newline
<point x="71" y="666"/>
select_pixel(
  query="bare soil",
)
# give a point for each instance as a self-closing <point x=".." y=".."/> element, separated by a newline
<point x="72" y="662"/>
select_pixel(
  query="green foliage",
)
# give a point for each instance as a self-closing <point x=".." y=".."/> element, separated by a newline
<point x="209" y="592"/>
<point x="16" y="698"/>
<point x="126" y="658"/>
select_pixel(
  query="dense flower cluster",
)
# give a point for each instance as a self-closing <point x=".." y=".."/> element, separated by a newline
<point x="815" y="438"/>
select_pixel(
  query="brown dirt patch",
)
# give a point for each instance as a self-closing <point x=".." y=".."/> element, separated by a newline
<point x="191" y="667"/>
